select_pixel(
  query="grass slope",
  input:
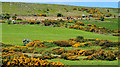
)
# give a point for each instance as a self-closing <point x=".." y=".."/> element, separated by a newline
<point x="14" y="34"/>
<point x="31" y="8"/>
<point x="86" y="62"/>
<point x="111" y="24"/>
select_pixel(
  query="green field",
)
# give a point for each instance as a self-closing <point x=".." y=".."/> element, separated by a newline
<point x="14" y="34"/>
<point x="110" y="23"/>
<point x="86" y="62"/>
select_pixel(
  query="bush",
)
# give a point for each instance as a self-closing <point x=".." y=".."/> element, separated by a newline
<point x="66" y="55"/>
<point x="80" y="23"/>
<point x="80" y="37"/>
<point x="72" y="58"/>
<point x="19" y="19"/>
<point x="14" y="17"/>
<point x="62" y="43"/>
<point x="9" y="21"/>
<point x="49" y="44"/>
<point x="116" y="34"/>
<point x="102" y="55"/>
<point x="47" y="9"/>
<point x="59" y="15"/>
<point x="74" y="8"/>
<point x="58" y="50"/>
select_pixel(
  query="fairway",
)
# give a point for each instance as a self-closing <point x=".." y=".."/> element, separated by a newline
<point x="14" y="34"/>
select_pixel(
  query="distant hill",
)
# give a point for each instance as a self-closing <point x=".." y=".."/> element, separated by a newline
<point x="48" y="9"/>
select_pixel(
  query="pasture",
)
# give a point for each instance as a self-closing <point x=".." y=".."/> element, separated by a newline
<point x="14" y="34"/>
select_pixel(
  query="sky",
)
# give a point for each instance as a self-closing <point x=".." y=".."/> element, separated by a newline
<point x="86" y="3"/>
<point x="59" y="0"/>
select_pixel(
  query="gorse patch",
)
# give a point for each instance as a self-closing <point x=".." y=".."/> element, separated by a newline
<point x="50" y="44"/>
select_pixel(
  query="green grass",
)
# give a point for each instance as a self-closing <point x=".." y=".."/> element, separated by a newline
<point x="14" y="34"/>
<point x="86" y="62"/>
<point x="22" y="9"/>
<point x="31" y="8"/>
<point x="84" y="48"/>
<point x="111" y="24"/>
<point x="69" y="48"/>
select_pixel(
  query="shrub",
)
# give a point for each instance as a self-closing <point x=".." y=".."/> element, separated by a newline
<point x="49" y="44"/>
<point x="71" y="26"/>
<point x="59" y="15"/>
<point x="80" y="23"/>
<point x="6" y="16"/>
<point x="9" y="21"/>
<point x="72" y="58"/>
<point x="62" y="43"/>
<point x="80" y="27"/>
<point x="58" y="50"/>
<point x="74" y="8"/>
<point x="89" y="25"/>
<point x="47" y="9"/>
<point x="2" y="21"/>
<point x="35" y="43"/>
<point x="102" y="55"/>
<point x="66" y="55"/>
<point x="80" y="37"/>
<point x="14" y="17"/>
<point x="116" y="34"/>
<point x="76" y="26"/>
<point x="19" y="19"/>
<point x="21" y="60"/>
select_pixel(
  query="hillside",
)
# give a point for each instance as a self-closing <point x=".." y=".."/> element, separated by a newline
<point x="51" y="35"/>
<point x="48" y="9"/>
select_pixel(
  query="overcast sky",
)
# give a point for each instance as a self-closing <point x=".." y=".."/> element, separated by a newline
<point x="60" y="0"/>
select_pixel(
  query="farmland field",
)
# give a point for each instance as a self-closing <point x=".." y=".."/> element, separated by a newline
<point x="51" y="35"/>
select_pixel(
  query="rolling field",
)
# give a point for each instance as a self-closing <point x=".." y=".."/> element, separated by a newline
<point x="55" y="42"/>
<point x="14" y="34"/>
<point x="31" y="8"/>
<point x="110" y="23"/>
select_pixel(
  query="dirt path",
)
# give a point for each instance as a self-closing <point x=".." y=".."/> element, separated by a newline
<point x="40" y="18"/>
<point x="31" y="54"/>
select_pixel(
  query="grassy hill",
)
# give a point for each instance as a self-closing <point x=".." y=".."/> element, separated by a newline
<point x="31" y="8"/>
<point x="14" y="34"/>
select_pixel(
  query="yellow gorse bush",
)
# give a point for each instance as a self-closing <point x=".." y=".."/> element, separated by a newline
<point x="21" y="60"/>
<point x="79" y="44"/>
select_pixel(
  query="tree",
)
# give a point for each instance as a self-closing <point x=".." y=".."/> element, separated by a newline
<point x="47" y="9"/>
<point x="6" y="16"/>
<point x="107" y="10"/>
<point x="59" y="15"/>
<point x="114" y="16"/>
<point x="80" y="37"/>
<point x="102" y="18"/>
